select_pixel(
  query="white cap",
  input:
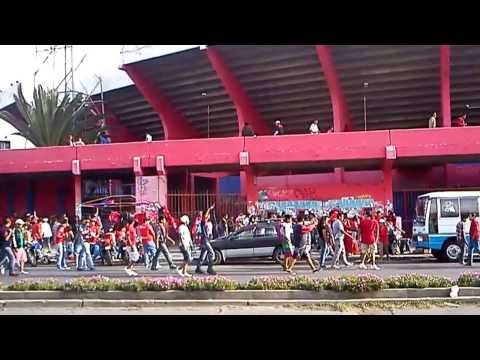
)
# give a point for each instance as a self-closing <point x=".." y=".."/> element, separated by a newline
<point x="19" y="222"/>
<point x="351" y="214"/>
<point x="185" y="219"/>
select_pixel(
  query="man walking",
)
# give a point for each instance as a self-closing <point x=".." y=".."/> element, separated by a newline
<point x="6" y="242"/>
<point x="46" y="231"/>
<point x="82" y="248"/>
<point x="286" y="231"/>
<point x="185" y="245"/>
<point x="461" y="240"/>
<point x="474" y="237"/>
<point x="339" y="234"/>
<point x="161" y="243"/>
<point x="369" y="237"/>
<point x="206" y="247"/>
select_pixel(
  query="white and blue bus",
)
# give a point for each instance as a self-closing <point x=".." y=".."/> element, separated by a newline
<point x="437" y="215"/>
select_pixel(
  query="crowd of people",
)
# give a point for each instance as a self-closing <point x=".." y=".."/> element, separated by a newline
<point x="341" y="234"/>
<point x="143" y="237"/>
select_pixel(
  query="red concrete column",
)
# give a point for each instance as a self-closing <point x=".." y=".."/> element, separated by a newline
<point x="341" y="117"/>
<point x="446" y="114"/>
<point x="388" y="181"/>
<point x="77" y="179"/>
<point x="246" y="112"/>
<point x="248" y="187"/>
<point x="175" y="126"/>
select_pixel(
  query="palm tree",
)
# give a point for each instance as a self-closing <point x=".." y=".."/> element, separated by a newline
<point x="49" y="120"/>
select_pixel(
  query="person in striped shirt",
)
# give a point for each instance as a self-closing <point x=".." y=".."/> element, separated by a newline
<point x="461" y="241"/>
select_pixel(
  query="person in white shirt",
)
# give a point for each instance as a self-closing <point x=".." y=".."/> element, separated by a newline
<point x="46" y="232"/>
<point x="314" y="127"/>
<point x="185" y="245"/>
<point x="432" y="122"/>
<point x="148" y="138"/>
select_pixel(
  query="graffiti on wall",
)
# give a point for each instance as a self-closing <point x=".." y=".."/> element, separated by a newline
<point x="317" y="206"/>
<point x="150" y="190"/>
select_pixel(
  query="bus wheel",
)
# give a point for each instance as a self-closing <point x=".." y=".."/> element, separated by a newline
<point x="451" y="250"/>
<point x="437" y="254"/>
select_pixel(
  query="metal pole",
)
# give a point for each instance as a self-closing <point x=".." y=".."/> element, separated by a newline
<point x="101" y="97"/>
<point x="71" y="60"/>
<point x="208" y="120"/>
<point x="365" y="87"/>
<point x="365" y="111"/>
<point x="65" y="65"/>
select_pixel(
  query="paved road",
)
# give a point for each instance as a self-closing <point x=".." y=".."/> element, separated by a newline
<point x="243" y="271"/>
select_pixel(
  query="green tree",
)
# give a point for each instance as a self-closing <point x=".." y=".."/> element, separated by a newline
<point x="50" y="119"/>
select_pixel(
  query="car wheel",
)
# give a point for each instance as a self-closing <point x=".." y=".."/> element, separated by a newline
<point x="278" y="255"/>
<point x="450" y="251"/>
<point x="218" y="257"/>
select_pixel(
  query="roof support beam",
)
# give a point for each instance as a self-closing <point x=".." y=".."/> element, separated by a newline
<point x="341" y="117"/>
<point x="175" y="126"/>
<point x="246" y="112"/>
<point x="446" y="113"/>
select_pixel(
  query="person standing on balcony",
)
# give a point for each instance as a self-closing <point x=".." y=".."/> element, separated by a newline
<point x="247" y="130"/>
<point x="279" y="130"/>
<point x="314" y="127"/>
<point x="460" y="121"/>
<point x="148" y="137"/>
<point x="432" y="122"/>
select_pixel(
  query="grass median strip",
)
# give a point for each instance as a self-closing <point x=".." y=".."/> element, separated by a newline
<point x="361" y="283"/>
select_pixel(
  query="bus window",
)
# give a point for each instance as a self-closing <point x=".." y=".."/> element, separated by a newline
<point x="449" y="208"/>
<point x="433" y="218"/>
<point x="468" y="205"/>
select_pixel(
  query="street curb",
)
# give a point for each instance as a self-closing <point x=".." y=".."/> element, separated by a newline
<point x="98" y="303"/>
<point x="243" y="295"/>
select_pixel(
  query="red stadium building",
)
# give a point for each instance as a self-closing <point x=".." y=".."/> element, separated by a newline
<point x="195" y="103"/>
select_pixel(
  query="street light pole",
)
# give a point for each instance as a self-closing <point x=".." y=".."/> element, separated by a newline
<point x="208" y="120"/>
<point x="365" y="87"/>
<point x="208" y="114"/>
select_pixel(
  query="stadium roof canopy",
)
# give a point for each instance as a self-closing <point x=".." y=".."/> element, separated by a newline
<point x="287" y="82"/>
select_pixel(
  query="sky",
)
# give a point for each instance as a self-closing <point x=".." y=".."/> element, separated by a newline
<point x="21" y="62"/>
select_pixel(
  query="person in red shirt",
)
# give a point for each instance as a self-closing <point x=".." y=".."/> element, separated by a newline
<point x="351" y="228"/>
<point x="36" y="230"/>
<point x="93" y="239"/>
<point x="368" y="237"/>
<point x="460" y="121"/>
<point x="474" y="238"/>
<point x="383" y="239"/>
<point x="132" y="250"/>
<point x="147" y="234"/>
<point x="60" y="236"/>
